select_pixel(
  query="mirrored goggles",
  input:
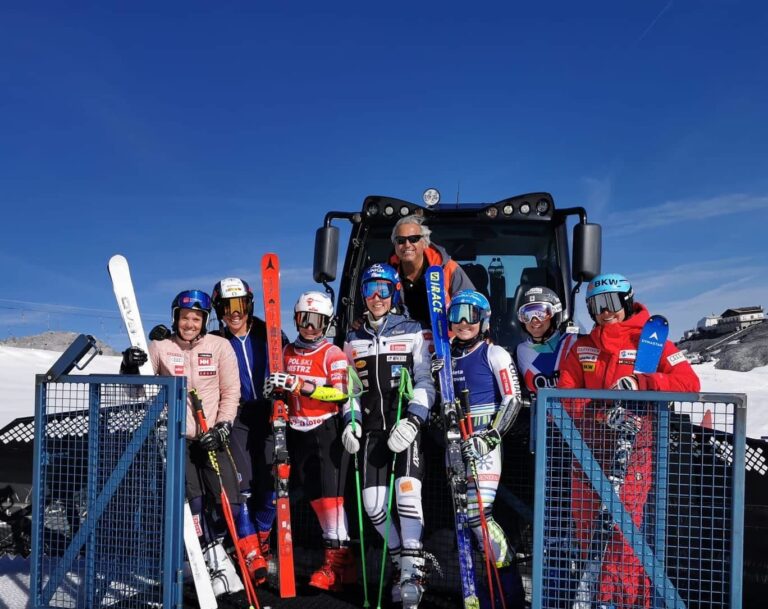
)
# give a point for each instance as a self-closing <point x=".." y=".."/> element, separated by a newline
<point x="608" y="301"/>
<point x="231" y="306"/>
<point x="464" y="312"/>
<point x="535" y="310"/>
<point x="306" y="319"/>
<point x="384" y="289"/>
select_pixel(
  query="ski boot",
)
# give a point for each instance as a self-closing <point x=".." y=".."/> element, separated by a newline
<point x="224" y="578"/>
<point x="337" y="569"/>
<point x="266" y="549"/>
<point x="251" y="550"/>
<point x="412" y="577"/>
<point x="394" y="556"/>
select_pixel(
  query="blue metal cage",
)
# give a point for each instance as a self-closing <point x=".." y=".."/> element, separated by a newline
<point x="641" y="500"/>
<point x="107" y="492"/>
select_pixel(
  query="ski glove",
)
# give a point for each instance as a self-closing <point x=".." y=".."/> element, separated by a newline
<point x="217" y="437"/>
<point x="133" y="359"/>
<point x="280" y="381"/>
<point x="480" y="443"/>
<point x="159" y="332"/>
<point x="626" y="383"/>
<point x="403" y="433"/>
<point x="436" y="365"/>
<point x="350" y="437"/>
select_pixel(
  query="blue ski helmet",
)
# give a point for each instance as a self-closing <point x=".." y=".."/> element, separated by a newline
<point x="191" y="299"/>
<point x="605" y="285"/>
<point x="382" y="272"/>
<point x="472" y="306"/>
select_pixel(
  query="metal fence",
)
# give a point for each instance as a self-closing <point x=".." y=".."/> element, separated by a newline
<point x="641" y="499"/>
<point x="107" y="492"/>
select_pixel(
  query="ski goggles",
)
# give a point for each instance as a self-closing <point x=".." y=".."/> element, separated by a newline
<point x="535" y="310"/>
<point x="384" y="289"/>
<point x="230" y="306"/>
<point x="464" y="312"/>
<point x="607" y="301"/>
<point x="194" y="299"/>
<point x="307" y="319"/>
<point x="412" y="239"/>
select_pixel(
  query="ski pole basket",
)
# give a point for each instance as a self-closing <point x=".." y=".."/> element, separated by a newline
<point x="641" y="500"/>
<point x="108" y="491"/>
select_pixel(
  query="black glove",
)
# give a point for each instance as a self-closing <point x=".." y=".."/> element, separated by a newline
<point x="217" y="437"/>
<point x="159" y="333"/>
<point x="133" y="359"/>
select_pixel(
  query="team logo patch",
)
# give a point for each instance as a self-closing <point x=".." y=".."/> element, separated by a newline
<point x="676" y="358"/>
<point x="588" y="366"/>
<point x="361" y="363"/>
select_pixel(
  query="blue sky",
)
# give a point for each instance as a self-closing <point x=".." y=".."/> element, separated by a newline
<point x="193" y="138"/>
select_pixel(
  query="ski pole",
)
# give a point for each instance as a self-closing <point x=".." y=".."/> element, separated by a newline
<point x="352" y="376"/>
<point x="490" y="559"/>
<point x="404" y="389"/>
<point x="226" y="507"/>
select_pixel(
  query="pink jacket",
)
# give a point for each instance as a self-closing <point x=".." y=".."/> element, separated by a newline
<point x="210" y="365"/>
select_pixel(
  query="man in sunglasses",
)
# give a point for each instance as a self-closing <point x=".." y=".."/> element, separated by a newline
<point x="605" y="359"/>
<point x="414" y="252"/>
<point x="539" y="356"/>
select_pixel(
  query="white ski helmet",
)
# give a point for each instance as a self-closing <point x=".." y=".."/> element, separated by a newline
<point x="315" y="309"/>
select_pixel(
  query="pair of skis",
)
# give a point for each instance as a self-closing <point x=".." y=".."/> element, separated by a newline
<point x="125" y="295"/>
<point x="457" y="478"/>
<point x="649" y="349"/>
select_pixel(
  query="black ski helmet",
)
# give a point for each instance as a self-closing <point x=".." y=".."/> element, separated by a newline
<point x="542" y="294"/>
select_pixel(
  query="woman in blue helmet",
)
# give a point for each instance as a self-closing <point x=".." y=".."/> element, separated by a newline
<point x="605" y="359"/>
<point x="210" y="365"/>
<point x="384" y="345"/>
<point x="485" y="374"/>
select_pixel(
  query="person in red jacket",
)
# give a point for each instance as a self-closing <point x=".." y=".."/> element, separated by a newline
<point x="605" y="359"/>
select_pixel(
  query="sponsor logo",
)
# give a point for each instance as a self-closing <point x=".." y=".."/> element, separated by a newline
<point x="397" y="358"/>
<point x="588" y="366"/>
<point x="398" y="347"/>
<point x="587" y="357"/>
<point x="361" y="363"/>
<point x="395" y="371"/>
<point x="606" y="282"/>
<point x="340" y="365"/>
<point x="593" y="350"/>
<point x="506" y="385"/>
<point x="628" y="354"/>
<point x="178" y="370"/>
<point x="676" y="358"/>
<point x="406" y="486"/>
<point x="204" y="359"/>
<point x="544" y="382"/>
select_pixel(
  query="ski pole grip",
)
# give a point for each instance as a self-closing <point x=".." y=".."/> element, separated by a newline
<point x="197" y="405"/>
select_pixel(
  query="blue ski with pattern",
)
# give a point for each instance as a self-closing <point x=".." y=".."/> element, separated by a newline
<point x="457" y="477"/>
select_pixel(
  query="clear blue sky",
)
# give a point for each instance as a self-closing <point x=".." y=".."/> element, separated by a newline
<point x="193" y="138"/>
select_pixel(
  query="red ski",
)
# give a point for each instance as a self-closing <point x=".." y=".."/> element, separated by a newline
<point x="270" y="280"/>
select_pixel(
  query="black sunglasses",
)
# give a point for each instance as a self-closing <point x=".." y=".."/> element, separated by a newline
<point x="410" y="239"/>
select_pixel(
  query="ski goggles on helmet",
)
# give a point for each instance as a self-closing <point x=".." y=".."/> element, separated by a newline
<point x="230" y="306"/>
<point x="607" y="301"/>
<point x="535" y="310"/>
<point x="194" y="299"/>
<point x="307" y="319"/>
<point x="464" y="312"/>
<point x="384" y="289"/>
<point x="412" y="239"/>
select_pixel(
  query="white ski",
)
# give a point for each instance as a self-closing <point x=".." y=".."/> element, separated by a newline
<point x="129" y="309"/>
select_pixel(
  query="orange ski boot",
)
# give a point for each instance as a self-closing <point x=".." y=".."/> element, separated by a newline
<point x="337" y="569"/>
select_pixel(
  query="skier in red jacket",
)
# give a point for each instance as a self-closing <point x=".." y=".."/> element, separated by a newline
<point x="605" y="359"/>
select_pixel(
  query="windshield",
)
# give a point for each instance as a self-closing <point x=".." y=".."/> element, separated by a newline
<point x="501" y="259"/>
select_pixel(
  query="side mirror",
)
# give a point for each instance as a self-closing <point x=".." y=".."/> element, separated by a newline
<point x="587" y="250"/>
<point x="326" y="254"/>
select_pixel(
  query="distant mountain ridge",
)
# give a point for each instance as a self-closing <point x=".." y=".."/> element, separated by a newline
<point x="52" y="341"/>
<point x="740" y="352"/>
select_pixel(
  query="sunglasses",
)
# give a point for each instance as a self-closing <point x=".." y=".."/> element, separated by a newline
<point x="534" y="310"/>
<point x="382" y="289"/>
<point x="306" y="319"/>
<point x="463" y="312"/>
<point x="413" y="239"/>
<point x="608" y="301"/>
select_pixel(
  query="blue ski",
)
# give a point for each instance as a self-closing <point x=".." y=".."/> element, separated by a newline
<point x="649" y="349"/>
<point x="456" y="471"/>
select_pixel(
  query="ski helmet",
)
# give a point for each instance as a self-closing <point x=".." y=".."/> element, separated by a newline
<point x="471" y="306"/>
<point x="313" y="308"/>
<point x="382" y="272"/>
<point x="549" y="305"/>
<point x="609" y="291"/>
<point x="196" y="300"/>
<point x="230" y="288"/>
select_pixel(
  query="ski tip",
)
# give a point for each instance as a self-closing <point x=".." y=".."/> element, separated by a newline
<point x="117" y="259"/>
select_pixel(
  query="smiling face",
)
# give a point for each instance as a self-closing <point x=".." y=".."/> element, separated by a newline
<point x="190" y="324"/>
<point x="410" y="253"/>
<point x="607" y="317"/>
<point x="464" y="330"/>
<point x="378" y="306"/>
<point x="538" y="327"/>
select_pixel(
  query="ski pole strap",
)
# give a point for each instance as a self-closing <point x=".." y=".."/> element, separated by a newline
<point x="354" y="384"/>
<point x="405" y="389"/>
